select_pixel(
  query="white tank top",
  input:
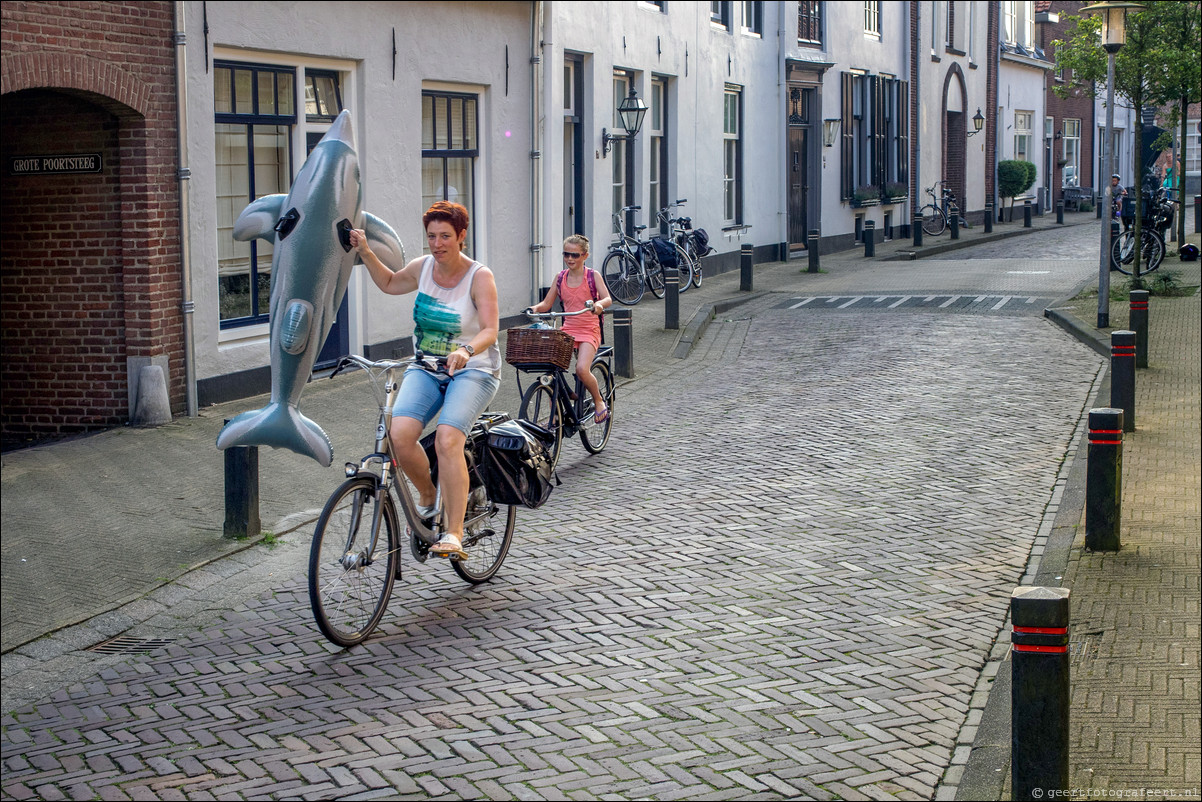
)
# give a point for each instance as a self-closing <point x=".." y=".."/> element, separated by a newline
<point x="445" y="318"/>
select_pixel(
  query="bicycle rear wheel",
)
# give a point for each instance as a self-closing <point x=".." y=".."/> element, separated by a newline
<point x="654" y="272"/>
<point x="594" y="436"/>
<point x="934" y="222"/>
<point x="487" y="533"/>
<point x="621" y="274"/>
<point x="350" y="581"/>
<point x="695" y="258"/>
<point x="684" y="268"/>
<point x="538" y="406"/>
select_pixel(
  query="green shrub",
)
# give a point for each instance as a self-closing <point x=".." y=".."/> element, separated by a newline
<point x="1032" y="174"/>
<point x="1011" y="178"/>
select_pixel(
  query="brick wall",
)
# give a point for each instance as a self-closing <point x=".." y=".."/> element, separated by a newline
<point x="91" y="263"/>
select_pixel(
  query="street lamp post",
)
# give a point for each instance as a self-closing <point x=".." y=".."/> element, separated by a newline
<point x="1114" y="35"/>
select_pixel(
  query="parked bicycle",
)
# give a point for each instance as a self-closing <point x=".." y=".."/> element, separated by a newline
<point x="689" y="248"/>
<point x="632" y="264"/>
<point x="355" y="556"/>
<point x="1158" y="217"/>
<point x="935" y="214"/>
<point x="546" y="355"/>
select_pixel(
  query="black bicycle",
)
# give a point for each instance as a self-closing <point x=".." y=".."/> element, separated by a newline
<point x="355" y="556"/>
<point x="632" y="266"/>
<point x="1152" y="227"/>
<point x="935" y="215"/>
<point x="563" y="410"/>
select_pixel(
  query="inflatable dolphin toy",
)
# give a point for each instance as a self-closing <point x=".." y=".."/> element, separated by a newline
<point x="310" y="267"/>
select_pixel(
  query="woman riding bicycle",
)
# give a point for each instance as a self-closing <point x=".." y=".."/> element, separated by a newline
<point x="574" y="286"/>
<point x="455" y="315"/>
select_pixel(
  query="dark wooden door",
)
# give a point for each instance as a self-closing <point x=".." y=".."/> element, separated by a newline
<point x="798" y="186"/>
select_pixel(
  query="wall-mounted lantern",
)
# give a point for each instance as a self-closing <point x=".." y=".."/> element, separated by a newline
<point x="631" y="111"/>
<point x="830" y="129"/>
<point x="978" y="121"/>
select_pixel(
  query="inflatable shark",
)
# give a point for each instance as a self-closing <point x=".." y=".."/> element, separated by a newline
<point x="311" y="264"/>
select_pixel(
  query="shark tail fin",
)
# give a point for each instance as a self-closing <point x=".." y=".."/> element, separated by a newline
<point x="279" y="426"/>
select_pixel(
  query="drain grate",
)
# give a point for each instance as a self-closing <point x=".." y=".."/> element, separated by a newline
<point x="124" y="644"/>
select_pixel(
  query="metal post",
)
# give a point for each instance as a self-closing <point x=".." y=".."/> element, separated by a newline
<point x="1097" y="199"/>
<point x="624" y="342"/>
<point x="671" y="298"/>
<point x="1122" y="376"/>
<point x="1108" y="149"/>
<point x="1026" y="214"/>
<point x="1104" y="480"/>
<point x="917" y="230"/>
<point x="989" y="218"/>
<point x="953" y="220"/>
<point x="1138" y="320"/>
<point x="869" y="238"/>
<point x="1198" y="214"/>
<point x="1039" y="692"/>
<point x="812" y="249"/>
<point x="242" y="492"/>
<point x="1060" y="212"/>
<point x="746" y="263"/>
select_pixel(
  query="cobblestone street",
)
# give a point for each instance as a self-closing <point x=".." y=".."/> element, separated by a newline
<point x="782" y="578"/>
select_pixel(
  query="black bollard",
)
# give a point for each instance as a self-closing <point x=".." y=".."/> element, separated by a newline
<point x="624" y="342"/>
<point x="1098" y="205"/>
<point x="1104" y="480"/>
<point x="812" y="248"/>
<point x="989" y="218"/>
<point x="1026" y="214"/>
<point x="1039" y="692"/>
<point x="746" y="263"/>
<point x="1122" y="376"/>
<point x="953" y="220"/>
<point x="671" y="298"/>
<point x="242" y="492"/>
<point x="1198" y="214"/>
<point x="1060" y="212"/>
<point x="1138" y="319"/>
<point x="869" y="238"/>
<point x="917" y="230"/>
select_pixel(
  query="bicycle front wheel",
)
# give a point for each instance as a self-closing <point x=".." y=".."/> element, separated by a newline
<point x="594" y="436"/>
<point x="934" y="222"/>
<point x="1153" y="252"/>
<point x="1122" y="252"/>
<point x="695" y="261"/>
<point x="350" y="577"/>
<point x="487" y="533"/>
<point x="684" y="268"/>
<point x="621" y="274"/>
<point x="538" y="406"/>
<point x="653" y="272"/>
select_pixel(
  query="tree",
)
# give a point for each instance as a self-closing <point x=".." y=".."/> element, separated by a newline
<point x="1176" y="80"/>
<point x="1133" y="68"/>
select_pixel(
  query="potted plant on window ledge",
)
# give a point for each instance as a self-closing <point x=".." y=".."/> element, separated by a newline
<point x="868" y="195"/>
<point x="895" y="192"/>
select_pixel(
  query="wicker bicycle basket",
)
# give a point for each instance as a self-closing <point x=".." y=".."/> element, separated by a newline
<point x="551" y="346"/>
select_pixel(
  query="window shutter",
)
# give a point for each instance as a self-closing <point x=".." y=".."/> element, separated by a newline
<point x="903" y="132"/>
<point x="879" y="131"/>
<point x="847" y="138"/>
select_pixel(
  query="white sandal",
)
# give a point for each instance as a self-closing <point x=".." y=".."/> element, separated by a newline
<point x="449" y="546"/>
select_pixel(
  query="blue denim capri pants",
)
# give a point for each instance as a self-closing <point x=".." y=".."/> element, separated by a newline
<point x="457" y="400"/>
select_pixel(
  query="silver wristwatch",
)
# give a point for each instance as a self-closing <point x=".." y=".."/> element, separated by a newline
<point x="468" y="347"/>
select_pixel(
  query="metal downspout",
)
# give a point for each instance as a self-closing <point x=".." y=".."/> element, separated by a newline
<point x="536" y="77"/>
<point x="185" y="248"/>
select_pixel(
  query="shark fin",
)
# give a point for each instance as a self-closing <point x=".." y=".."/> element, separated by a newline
<point x="279" y="426"/>
<point x="384" y="242"/>
<point x="258" y="219"/>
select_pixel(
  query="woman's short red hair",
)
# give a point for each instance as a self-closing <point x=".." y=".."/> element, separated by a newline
<point x="453" y="213"/>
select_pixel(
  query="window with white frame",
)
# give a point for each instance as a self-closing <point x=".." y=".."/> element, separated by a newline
<point x="872" y="18"/>
<point x="254" y="114"/>
<point x="809" y="22"/>
<point x="1193" y="148"/>
<point x="1022" y="135"/>
<point x="657" y="195"/>
<point x="720" y="13"/>
<point x="753" y="17"/>
<point x="620" y="150"/>
<point x="732" y="179"/>
<point x="1071" y="153"/>
<point x="1018" y="22"/>
<point x="971" y="31"/>
<point x="935" y="46"/>
<point x="449" y="151"/>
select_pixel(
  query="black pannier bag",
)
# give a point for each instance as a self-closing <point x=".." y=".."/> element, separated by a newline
<point x="701" y="239"/>
<point x="665" y="252"/>
<point x="517" y="468"/>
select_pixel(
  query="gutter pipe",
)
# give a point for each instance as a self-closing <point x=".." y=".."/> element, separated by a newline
<point x="187" y="305"/>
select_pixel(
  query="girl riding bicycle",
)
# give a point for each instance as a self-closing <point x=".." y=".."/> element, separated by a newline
<point x="574" y="286"/>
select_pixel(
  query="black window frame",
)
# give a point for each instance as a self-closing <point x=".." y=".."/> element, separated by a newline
<point x="447" y="153"/>
<point x="810" y="18"/>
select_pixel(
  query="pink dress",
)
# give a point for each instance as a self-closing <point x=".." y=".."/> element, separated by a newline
<point x="583" y="328"/>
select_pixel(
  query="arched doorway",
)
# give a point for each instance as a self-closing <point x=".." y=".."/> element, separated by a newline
<point x="954" y="170"/>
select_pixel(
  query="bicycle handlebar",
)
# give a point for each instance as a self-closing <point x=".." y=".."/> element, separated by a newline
<point x="530" y="313"/>
<point x="429" y="363"/>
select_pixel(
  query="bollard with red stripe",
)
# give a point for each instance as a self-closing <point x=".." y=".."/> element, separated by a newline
<point x="1122" y="376"/>
<point x="1104" y="480"/>
<point x="1039" y="692"/>
<point x="1138" y="319"/>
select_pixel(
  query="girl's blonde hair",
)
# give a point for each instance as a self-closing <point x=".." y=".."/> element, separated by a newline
<point x="578" y="239"/>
